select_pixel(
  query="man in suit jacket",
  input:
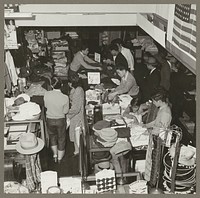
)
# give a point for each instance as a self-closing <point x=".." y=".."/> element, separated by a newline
<point x="126" y="52"/>
<point x="152" y="80"/>
<point x="119" y="58"/>
<point x="165" y="71"/>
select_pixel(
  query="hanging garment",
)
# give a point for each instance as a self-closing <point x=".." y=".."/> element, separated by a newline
<point x="7" y="78"/>
<point x="148" y="162"/>
<point x="11" y="67"/>
<point x="33" y="170"/>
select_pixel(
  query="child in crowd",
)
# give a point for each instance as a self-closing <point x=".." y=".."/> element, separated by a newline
<point x="135" y="110"/>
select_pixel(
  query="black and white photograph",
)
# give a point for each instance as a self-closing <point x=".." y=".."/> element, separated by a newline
<point x="100" y="98"/>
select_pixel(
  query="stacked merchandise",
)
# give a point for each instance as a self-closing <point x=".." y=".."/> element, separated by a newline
<point x="185" y="180"/>
<point x="73" y="35"/>
<point x="138" y="187"/>
<point x="105" y="181"/>
<point x="59" y="44"/>
<point x="59" y="49"/>
<point x="36" y="41"/>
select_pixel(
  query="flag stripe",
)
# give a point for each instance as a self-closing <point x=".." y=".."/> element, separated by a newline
<point x="185" y="29"/>
<point x="185" y="48"/>
<point x="184" y="24"/>
<point x="186" y="38"/>
<point x="184" y="43"/>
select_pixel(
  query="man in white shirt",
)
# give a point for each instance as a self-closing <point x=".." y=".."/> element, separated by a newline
<point x="126" y="52"/>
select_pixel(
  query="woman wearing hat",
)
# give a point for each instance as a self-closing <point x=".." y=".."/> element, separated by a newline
<point x="76" y="112"/>
<point x="57" y="105"/>
<point x="127" y="85"/>
<point x="152" y="81"/>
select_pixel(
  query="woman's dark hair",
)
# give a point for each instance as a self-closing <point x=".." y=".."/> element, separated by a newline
<point x="56" y="83"/>
<point x="160" y="94"/>
<point x="135" y="102"/>
<point x="75" y="80"/>
<point x="113" y="46"/>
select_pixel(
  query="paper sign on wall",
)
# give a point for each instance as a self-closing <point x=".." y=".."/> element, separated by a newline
<point x="94" y="78"/>
<point x="97" y="57"/>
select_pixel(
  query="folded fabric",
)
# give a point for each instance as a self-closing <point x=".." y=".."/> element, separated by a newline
<point x="101" y="124"/>
<point x="123" y="132"/>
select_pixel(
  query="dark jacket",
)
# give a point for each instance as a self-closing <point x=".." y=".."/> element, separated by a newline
<point x="165" y="73"/>
<point x="151" y="82"/>
<point x="121" y="60"/>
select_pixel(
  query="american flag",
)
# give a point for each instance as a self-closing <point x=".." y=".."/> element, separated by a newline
<point x="184" y="30"/>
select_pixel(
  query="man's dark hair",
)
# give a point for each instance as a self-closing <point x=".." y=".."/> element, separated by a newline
<point x="117" y="41"/>
<point x="121" y="67"/>
<point x="160" y="94"/>
<point x="113" y="47"/>
<point x="84" y="46"/>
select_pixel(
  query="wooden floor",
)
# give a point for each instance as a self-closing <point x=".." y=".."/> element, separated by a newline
<point x="69" y="165"/>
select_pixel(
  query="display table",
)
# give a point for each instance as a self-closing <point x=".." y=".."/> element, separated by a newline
<point x="32" y="124"/>
<point x="88" y="186"/>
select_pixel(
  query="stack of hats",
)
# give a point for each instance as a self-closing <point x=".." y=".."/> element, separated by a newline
<point x="101" y="124"/>
<point x="107" y="137"/>
<point x="121" y="148"/>
<point x="185" y="178"/>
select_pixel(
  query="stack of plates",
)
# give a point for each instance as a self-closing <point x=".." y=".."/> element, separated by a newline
<point x="185" y="179"/>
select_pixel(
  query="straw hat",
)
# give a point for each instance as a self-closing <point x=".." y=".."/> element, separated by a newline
<point x="108" y="134"/>
<point x="26" y="97"/>
<point x="186" y="156"/>
<point x="120" y="148"/>
<point x="29" y="144"/>
<point x="101" y="124"/>
<point x="103" y="165"/>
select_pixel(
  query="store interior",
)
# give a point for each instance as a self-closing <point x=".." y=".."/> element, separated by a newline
<point x="36" y="53"/>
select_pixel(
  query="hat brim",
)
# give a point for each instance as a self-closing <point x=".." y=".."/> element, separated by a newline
<point x="31" y="151"/>
<point x="97" y="169"/>
<point x="120" y="148"/>
<point x="186" y="162"/>
<point x="25" y="96"/>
